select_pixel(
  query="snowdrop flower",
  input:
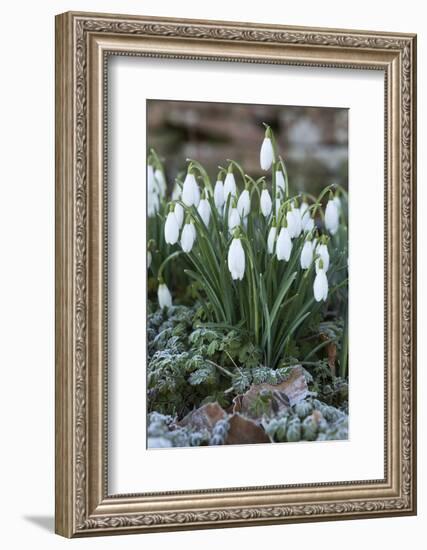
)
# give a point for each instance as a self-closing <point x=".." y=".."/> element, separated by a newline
<point x="188" y="237"/>
<point x="332" y="216"/>
<point x="179" y="213"/>
<point x="190" y="190"/>
<point x="236" y="259"/>
<point x="280" y="181"/>
<point x="244" y="203"/>
<point x="204" y="209"/>
<point x="149" y="258"/>
<point x="151" y="180"/>
<point x="284" y="245"/>
<point x="307" y="222"/>
<point x="153" y="204"/>
<point x="229" y="185"/>
<point x="233" y="219"/>
<point x="164" y="296"/>
<point x="219" y="194"/>
<point x="266" y="155"/>
<point x="297" y="218"/>
<point x="161" y="182"/>
<point x="320" y="286"/>
<point x="171" y="228"/>
<point x="303" y="208"/>
<point x="266" y="203"/>
<point x="293" y="217"/>
<point x="323" y="253"/>
<point x="306" y="255"/>
<point x="271" y="239"/>
<point x="337" y="202"/>
<point x="176" y="193"/>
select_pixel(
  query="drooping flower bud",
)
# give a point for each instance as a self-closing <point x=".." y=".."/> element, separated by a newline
<point x="160" y="178"/>
<point x="151" y="180"/>
<point x="284" y="245"/>
<point x="177" y="192"/>
<point x="332" y="217"/>
<point x="229" y="185"/>
<point x="188" y="237"/>
<point x="323" y="253"/>
<point x="306" y="255"/>
<point x="171" y="228"/>
<point x="233" y="218"/>
<point x="204" y="209"/>
<point x="153" y="204"/>
<point x="280" y="181"/>
<point x="266" y="204"/>
<point x="219" y="195"/>
<point x="244" y="203"/>
<point x="179" y="213"/>
<point x="307" y="222"/>
<point x="149" y="258"/>
<point x="236" y="259"/>
<point x="266" y="155"/>
<point x="190" y="190"/>
<point x="271" y="239"/>
<point x="320" y="285"/>
<point x="164" y="296"/>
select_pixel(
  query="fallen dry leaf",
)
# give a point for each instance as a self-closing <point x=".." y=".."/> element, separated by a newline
<point x="244" y="431"/>
<point x="204" y="418"/>
<point x="270" y="399"/>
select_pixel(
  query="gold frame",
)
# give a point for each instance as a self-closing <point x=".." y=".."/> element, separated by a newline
<point x="83" y="43"/>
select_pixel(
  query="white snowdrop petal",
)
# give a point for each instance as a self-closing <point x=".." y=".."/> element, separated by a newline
<point x="297" y="219"/>
<point x="229" y="186"/>
<point x="332" y="217"/>
<point x="160" y="178"/>
<point x="271" y="239"/>
<point x="280" y="181"/>
<point x="233" y="219"/>
<point x="190" y="191"/>
<point x="219" y="194"/>
<point x="151" y="181"/>
<point x="266" y="203"/>
<point x="244" y="204"/>
<point x="236" y="260"/>
<point x="164" y="296"/>
<point x="179" y="213"/>
<point x="204" y="209"/>
<point x="171" y="229"/>
<point x="291" y="224"/>
<point x="323" y="253"/>
<point x="306" y="255"/>
<point x="320" y="286"/>
<point x="266" y="154"/>
<point x="176" y="193"/>
<point x="153" y="204"/>
<point x="187" y="237"/>
<point x="284" y="245"/>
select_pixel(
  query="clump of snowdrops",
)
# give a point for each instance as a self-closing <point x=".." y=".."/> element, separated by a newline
<point x="261" y="260"/>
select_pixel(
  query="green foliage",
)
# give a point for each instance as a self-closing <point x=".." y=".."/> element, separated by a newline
<point x="274" y="301"/>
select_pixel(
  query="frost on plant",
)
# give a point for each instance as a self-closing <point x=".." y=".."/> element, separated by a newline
<point x="247" y="285"/>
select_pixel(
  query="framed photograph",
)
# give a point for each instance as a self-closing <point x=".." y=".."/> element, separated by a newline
<point x="235" y="274"/>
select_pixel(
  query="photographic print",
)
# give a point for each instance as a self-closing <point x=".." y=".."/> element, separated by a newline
<point x="231" y="276"/>
<point x="247" y="270"/>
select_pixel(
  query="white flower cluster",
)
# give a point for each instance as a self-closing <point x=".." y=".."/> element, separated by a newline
<point x="156" y="189"/>
<point x="288" y="221"/>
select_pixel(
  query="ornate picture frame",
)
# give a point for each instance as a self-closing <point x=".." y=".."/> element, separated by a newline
<point x="83" y="44"/>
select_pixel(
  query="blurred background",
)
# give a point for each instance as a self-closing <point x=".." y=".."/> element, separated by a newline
<point x="313" y="141"/>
